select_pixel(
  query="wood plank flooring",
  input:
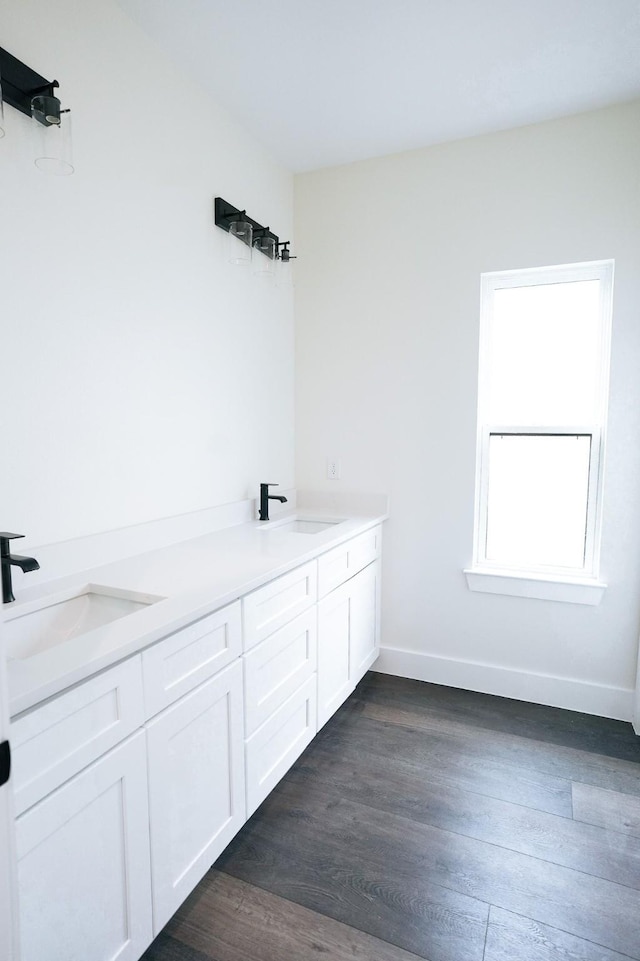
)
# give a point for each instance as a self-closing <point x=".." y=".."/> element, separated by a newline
<point x="429" y="823"/>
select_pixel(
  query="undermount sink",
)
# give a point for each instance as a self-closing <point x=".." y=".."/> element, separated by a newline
<point x="300" y="525"/>
<point x="55" y="621"/>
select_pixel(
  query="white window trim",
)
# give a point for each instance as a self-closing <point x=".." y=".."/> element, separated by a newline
<point x="582" y="587"/>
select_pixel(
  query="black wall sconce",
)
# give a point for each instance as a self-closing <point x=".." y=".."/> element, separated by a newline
<point x="32" y="94"/>
<point x="243" y="230"/>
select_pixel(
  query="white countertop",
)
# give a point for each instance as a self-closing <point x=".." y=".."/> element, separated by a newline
<point x="194" y="577"/>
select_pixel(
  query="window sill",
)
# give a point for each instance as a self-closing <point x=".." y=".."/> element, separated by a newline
<point x="544" y="587"/>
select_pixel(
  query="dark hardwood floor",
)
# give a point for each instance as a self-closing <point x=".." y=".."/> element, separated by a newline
<point x="425" y="822"/>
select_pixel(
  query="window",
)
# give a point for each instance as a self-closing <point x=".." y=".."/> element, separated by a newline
<point x="543" y="385"/>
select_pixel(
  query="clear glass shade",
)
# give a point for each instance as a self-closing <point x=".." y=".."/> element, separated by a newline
<point x="239" y="243"/>
<point x="264" y="261"/>
<point x="53" y="146"/>
<point x="284" y="274"/>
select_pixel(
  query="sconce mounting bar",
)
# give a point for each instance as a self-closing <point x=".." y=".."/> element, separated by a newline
<point x="20" y="83"/>
<point x="226" y="213"/>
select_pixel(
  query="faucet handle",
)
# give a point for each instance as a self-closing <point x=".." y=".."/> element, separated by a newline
<point x="5" y="539"/>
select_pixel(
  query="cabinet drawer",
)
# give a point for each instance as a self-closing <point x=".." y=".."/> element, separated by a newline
<point x="53" y="742"/>
<point x="278" y="602"/>
<point x="337" y="566"/>
<point x="180" y="662"/>
<point x="277" y="667"/>
<point x="272" y="749"/>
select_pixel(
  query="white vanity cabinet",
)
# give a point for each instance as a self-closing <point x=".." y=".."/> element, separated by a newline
<point x="348" y="618"/>
<point x="129" y="785"/>
<point x="195" y="753"/>
<point x="83" y="836"/>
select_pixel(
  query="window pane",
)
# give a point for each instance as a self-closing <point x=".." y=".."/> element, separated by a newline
<point x="544" y="354"/>
<point x="537" y="505"/>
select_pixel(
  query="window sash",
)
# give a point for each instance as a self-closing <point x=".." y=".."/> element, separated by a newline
<point x="592" y="431"/>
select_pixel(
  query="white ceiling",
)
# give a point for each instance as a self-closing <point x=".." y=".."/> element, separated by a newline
<point x="324" y="82"/>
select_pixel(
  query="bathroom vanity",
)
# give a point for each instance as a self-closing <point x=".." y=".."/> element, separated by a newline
<point x="141" y="745"/>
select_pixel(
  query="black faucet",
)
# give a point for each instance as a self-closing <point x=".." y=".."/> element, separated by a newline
<point x="24" y="563"/>
<point x="265" y="497"/>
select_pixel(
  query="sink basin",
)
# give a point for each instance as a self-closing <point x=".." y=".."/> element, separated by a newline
<point x="299" y="525"/>
<point x="55" y="621"/>
<point x="307" y="527"/>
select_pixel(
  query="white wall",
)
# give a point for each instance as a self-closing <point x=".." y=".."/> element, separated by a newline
<point x="387" y="307"/>
<point x="142" y="376"/>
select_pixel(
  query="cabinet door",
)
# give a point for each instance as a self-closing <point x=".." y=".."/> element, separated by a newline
<point x="8" y="870"/>
<point x="196" y="787"/>
<point x="348" y="638"/>
<point x="364" y="627"/>
<point x="83" y="864"/>
<point x="334" y="684"/>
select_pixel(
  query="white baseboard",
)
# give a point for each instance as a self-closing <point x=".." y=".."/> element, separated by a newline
<point x="568" y="693"/>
